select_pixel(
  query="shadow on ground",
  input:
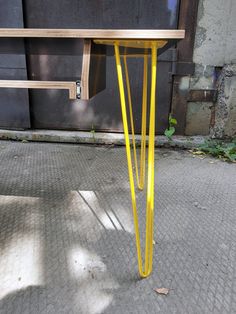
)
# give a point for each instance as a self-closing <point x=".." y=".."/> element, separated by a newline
<point x="67" y="242"/>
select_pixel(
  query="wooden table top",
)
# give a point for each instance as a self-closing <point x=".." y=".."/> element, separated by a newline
<point x="140" y="34"/>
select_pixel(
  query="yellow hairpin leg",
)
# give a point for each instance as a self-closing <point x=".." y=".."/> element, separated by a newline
<point x="146" y="270"/>
<point x="139" y="177"/>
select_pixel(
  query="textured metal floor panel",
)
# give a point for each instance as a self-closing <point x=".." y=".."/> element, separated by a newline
<point x="66" y="232"/>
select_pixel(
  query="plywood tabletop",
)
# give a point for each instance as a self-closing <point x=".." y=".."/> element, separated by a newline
<point x="94" y="33"/>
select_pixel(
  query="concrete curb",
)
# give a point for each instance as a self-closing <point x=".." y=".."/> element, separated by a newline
<point x="79" y="137"/>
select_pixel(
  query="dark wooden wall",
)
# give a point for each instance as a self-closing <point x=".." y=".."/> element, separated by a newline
<point x="60" y="59"/>
<point x="14" y="103"/>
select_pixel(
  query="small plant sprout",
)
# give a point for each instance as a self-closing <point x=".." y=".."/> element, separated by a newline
<point x="171" y="129"/>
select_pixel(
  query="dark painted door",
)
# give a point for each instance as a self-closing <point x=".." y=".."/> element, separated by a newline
<point x="14" y="103"/>
<point x="53" y="109"/>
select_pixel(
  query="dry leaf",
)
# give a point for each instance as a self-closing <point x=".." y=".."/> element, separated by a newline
<point x="164" y="291"/>
<point x="198" y="152"/>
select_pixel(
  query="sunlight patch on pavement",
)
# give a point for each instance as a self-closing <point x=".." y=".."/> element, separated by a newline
<point x="20" y="253"/>
<point x="82" y="263"/>
<point x="93" y="280"/>
<point x="20" y="265"/>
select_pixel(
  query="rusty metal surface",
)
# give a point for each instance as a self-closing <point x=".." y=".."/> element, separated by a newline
<point x="202" y="95"/>
<point x="184" y="68"/>
<point x="187" y="19"/>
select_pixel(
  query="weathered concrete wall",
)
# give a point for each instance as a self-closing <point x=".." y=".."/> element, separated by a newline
<point x="215" y="42"/>
<point x="198" y="118"/>
<point x="215" y="46"/>
<point x="225" y="111"/>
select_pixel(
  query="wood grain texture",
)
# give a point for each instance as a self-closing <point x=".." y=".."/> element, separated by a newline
<point x="71" y="86"/>
<point x="93" y="33"/>
<point x="85" y="70"/>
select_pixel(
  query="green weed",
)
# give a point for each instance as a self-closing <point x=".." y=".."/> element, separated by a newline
<point x="223" y="150"/>
<point x="169" y="132"/>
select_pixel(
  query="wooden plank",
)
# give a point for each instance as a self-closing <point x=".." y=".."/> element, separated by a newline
<point x="93" y="33"/>
<point x="71" y="86"/>
<point x="85" y="70"/>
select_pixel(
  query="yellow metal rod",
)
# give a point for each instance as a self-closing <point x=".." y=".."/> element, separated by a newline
<point x="144" y="121"/>
<point x="140" y="178"/>
<point x="144" y="272"/>
<point x="128" y="153"/>
<point x="151" y="156"/>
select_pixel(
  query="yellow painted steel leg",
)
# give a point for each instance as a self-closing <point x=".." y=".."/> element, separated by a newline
<point x="140" y="177"/>
<point x="151" y="170"/>
<point x="146" y="270"/>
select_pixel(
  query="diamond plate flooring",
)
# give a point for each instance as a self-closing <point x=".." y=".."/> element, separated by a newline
<point x="67" y="240"/>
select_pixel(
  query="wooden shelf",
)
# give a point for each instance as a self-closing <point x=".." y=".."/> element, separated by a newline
<point x="93" y="73"/>
<point x="93" y="33"/>
<point x="71" y="86"/>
